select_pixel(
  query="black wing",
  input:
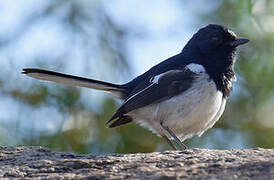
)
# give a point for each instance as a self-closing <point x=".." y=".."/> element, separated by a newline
<point x="154" y="90"/>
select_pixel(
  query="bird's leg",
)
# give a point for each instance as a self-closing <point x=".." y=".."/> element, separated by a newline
<point x="177" y="140"/>
<point x="169" y="142"/>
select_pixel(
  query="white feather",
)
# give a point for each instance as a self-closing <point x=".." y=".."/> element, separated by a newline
<point x="196" y="68"/>
<point x="156" y="78"/>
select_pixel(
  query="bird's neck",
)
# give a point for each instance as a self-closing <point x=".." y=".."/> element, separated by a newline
<point x="222" y="72"/>
<point x="219" y="65"/>
<point x="224" y="81"/>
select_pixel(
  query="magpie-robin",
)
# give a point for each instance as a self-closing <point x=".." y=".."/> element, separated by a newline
<point x="182" y="96"/>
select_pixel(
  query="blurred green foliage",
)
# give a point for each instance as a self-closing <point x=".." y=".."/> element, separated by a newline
<point x="81" y="128"/>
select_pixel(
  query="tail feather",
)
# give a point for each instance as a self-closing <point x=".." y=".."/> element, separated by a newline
<point x="70" y="80"/>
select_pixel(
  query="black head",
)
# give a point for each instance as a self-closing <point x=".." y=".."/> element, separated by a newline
<point x="215" y="41"/>
<point x="214" y="47"/>
<point x="216" y="37"/>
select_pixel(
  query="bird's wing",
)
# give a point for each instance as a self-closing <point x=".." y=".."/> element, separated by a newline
<point x="153" y="90"/>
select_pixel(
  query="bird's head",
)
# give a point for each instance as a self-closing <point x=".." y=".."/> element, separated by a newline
<point x="214" y="47"/>
<point x="216" y="37"/>
<point x="215" y="44"/>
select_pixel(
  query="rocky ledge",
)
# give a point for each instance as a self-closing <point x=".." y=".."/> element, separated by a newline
<point x="40" y="163"/>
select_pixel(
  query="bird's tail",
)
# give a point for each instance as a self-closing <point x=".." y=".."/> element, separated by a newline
<point x="70" y="80"/>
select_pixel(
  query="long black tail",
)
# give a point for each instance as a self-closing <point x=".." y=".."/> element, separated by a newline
<point x="70" y="80"/>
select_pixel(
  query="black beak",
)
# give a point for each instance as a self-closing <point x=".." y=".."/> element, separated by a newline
<point x="238" y="42"/>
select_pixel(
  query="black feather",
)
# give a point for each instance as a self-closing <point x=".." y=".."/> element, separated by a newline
<point x="42" y="71"/>
<point x="122" y="120"/>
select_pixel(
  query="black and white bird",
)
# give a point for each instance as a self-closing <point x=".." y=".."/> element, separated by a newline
<point x="182" y="96"/>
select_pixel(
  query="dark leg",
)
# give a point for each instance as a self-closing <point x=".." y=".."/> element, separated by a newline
<point x="169" y="142"/>
<point x="177" y="140"/>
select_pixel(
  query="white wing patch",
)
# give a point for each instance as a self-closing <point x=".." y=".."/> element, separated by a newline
<point x="156" y="78"/>
<point x="196" y="68"/>
<point x="153" y="80"/>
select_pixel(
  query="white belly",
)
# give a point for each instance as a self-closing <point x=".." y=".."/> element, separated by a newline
<point x="190" y="113"/>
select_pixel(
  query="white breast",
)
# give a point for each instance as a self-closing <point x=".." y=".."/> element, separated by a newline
<point x="190" y="113"/>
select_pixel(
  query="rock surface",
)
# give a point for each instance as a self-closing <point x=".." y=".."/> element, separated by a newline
<point x="37" y="162"/>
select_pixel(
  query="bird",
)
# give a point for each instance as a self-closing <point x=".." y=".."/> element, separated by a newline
<point x="181" y="97"/>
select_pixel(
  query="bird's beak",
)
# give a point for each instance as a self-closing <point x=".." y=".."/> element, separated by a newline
<point x="238" y="42"/>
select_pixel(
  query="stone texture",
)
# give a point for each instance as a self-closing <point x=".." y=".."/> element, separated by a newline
<point x="40" y="163"/>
